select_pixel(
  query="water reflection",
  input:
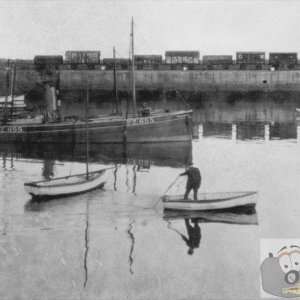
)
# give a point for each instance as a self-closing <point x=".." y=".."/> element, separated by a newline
<point x="142" y="155"/>
<point x="249" y="131"/>
<point x="131" y="239"/>
<point x="238" y="216"/>
<point x="194" y="235"/>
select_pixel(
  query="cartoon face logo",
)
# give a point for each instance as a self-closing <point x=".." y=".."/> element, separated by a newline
<point x="281" y="274"/>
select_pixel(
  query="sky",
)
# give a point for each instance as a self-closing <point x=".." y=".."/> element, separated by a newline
<point x="40" y="27"/>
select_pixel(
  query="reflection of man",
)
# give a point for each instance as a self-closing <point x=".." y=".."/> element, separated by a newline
<point x="193" y="182"/>
<point x="194" y="234"/>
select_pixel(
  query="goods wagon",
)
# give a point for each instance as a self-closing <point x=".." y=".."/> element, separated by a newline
<point x="250" y="58"/>
<point x="283" y="60"/>
<point x="83" y="57"/>
<point x="217" y="59"/>
<point x="148" y="59"/>
<point x="121" y="63"/>
<point x="48" y="61"/>
<point x="182" y="57"/>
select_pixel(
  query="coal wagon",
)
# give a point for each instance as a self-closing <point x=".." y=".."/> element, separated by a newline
<point x="148" y="62"/>
<point x="217" y="61"/>
<point x="287" y="60"/>
<point x="182" y="57"/>
<point x="47" y="61"/>
<point x="121" y="63"/>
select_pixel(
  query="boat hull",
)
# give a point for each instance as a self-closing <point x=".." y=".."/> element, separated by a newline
<point x="165" y="127"/>
<point x="65" y="186"/>
<point x="211" y="201"/>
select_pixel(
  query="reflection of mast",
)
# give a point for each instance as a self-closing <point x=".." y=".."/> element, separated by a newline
<point x="86" y="243"/>
<point x="134" y="179"/>
<point x="115" y="177"/>
<point x="131" y="237"/>
<point x="234" y="131"/>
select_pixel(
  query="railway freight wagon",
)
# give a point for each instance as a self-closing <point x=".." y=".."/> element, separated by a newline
<point x="147" y="62"/>
<point x="283" y="60"/>
<point x="82" y="59"/>
<point x="47" y="62"/>
<point x="182" y="58"/>
<point x="250" y="60"/>
<point x="121" y="63"/>
<point x="217" y="62"/>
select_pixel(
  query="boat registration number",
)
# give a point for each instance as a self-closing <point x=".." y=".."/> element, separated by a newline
<point x="139" y="121"/>
<point x="11" y="129"/>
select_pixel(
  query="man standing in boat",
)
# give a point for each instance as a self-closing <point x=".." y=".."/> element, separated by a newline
<point x="193" y="182"/>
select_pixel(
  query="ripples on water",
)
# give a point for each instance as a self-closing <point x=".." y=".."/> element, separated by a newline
<point x="118" y="243"/>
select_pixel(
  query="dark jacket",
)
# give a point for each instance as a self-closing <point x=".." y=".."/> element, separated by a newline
<point x="194" y="177"/>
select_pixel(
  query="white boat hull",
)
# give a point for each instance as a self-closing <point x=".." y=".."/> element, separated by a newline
<point x="211" y="201"/>
<point x="65" y="186"/>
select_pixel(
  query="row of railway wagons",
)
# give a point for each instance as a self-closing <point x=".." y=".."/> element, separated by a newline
<point x="174" y="60"/>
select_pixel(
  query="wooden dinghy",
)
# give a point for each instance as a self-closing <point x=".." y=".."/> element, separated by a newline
<point x="65" y="186"/>
<point x="210" y="201"/>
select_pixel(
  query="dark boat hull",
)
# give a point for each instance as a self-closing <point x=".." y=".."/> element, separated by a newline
<point x="166" y="127"/>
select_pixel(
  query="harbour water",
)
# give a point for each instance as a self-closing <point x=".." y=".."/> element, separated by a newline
<point x="118" y="243"/>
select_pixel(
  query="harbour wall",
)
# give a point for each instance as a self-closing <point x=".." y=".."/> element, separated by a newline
<point x="206" y="83"/>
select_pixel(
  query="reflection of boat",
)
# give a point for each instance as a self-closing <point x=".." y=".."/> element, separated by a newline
<point x="209" y="201"/>
<point x="159" y="126"/>
<point x="166" y="154"/>
<point x="246" y="216"/>
<point x="69" y="185"/>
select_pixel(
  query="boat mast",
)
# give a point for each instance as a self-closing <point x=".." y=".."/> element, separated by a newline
<point x="115" y="84"/>
<point x="133" y="75"/>
<point x="6" y="92"/>
<point x="13" y="90"/>
<point x="87" y="133"/>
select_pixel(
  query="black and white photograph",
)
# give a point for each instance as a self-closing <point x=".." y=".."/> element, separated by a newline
<point x="149" y="149"/>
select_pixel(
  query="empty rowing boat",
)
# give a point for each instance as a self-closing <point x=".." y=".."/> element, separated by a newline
<point x="65" y="186"/>
<point x="209" y="201"/>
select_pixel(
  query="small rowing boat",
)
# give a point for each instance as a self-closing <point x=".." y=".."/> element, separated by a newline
<point x="210" y="201"/>
<point x="65" y="186"/>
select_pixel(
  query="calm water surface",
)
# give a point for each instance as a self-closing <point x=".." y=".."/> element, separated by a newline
<point x="117" y="243"/>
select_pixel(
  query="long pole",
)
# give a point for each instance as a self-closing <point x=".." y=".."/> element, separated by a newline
<point x="115" y="85"/>
<point x="6" y="91"/>
<point x="13" y="91"/>
<point x="133" y="75"/>
<point x="87" y="133"/>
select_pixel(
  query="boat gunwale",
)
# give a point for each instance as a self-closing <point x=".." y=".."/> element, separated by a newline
<point x="36" y="183"/>
<point x="164" y="200"/>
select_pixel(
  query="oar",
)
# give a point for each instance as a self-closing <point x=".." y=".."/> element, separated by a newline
<point x="167" y="190"/>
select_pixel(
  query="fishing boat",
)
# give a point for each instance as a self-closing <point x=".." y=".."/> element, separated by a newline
<point x="68" y="185"/>
<point x="159" y="126"/>
<point x="210" y="201"/>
